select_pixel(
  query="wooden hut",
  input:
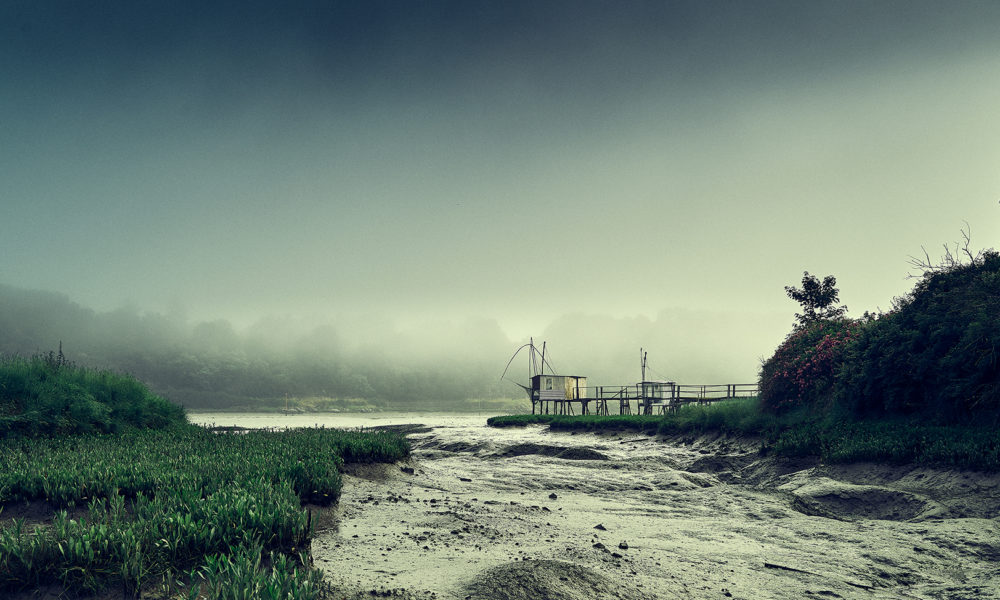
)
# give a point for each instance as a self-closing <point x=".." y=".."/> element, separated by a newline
<point x="557" y="389"/>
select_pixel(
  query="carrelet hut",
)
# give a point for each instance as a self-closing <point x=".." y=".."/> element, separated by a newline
<point x="549" y="387"/>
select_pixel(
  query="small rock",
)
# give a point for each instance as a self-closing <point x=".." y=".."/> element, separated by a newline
<point x="601" y="527"/>
<point x="599" y="546"/>
<point x="464" y="479"/>
<point x="553" y="496"/>
<point x="407" y="470"/>
<point x="623" y="545"/>
<point x="616" y="555"/>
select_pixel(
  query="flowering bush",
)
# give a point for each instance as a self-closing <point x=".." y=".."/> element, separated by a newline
<point x="804" y="366"/>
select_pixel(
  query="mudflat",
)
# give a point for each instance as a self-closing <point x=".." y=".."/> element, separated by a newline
<point x="526" y="513"/>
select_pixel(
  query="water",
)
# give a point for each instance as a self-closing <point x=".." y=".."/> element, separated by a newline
<point x="335" y="420"/>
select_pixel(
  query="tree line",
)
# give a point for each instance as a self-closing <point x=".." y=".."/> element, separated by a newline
<point x="210" y="364"/>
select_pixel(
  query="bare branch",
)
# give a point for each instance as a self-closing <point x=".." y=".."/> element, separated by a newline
<point x="967" y="235"/>
<point x="950" y="260"/>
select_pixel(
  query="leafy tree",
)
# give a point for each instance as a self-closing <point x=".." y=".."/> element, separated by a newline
<point x="818" y="299"/>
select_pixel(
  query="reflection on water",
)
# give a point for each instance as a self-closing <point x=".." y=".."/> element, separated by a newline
<point x="338" y="420"/>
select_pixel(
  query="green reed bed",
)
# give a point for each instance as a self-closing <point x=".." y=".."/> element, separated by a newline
<point x="180" y="506"/>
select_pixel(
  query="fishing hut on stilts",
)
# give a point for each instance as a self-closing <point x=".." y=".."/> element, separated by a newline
<point x="550" y="390"/>
<point x="555" y="394"/>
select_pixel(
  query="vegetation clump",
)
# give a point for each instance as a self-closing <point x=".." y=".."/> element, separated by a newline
<point x="920" y="383"/>
<point x="49" y="395"/>
<point x="141" y="500"/>
<point x="932" y="358"/>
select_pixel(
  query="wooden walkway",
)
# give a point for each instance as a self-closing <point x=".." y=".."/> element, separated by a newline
<point x="665" y="398"/>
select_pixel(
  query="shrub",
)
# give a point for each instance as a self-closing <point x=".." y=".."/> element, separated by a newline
<point x="803" y="368"/>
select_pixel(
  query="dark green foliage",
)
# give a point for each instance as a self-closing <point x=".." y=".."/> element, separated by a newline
<point x="47" y="395"/>
<point x="937" y="354"/>
<point x="803" y="369"/>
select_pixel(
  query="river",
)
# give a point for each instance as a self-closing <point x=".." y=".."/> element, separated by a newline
<point x="483" y="513"/>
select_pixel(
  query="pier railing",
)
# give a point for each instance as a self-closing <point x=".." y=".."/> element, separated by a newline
<point x="650" y="397"/>
<point x="663" y="391"/>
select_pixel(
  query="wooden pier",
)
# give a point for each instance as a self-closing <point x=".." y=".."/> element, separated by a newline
<point x="649" y="397"/>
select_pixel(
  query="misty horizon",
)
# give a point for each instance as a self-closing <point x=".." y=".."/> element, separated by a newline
<point x="684" y="345"/>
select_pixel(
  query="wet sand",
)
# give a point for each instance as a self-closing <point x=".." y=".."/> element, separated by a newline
<point x="524" y="513"/>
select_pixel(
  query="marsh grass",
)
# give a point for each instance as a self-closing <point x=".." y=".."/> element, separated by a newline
<point x="896" y="441"/>
<point x="161" y="502"/>
<point x="834" y="438"/>
<point x="47" y="395"/>
<point x="738" y="415"/>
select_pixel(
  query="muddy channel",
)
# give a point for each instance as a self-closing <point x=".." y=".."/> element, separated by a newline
<point x="482" y="513"/>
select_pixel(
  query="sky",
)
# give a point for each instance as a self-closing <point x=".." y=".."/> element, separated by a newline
<point x="579" y="171"/>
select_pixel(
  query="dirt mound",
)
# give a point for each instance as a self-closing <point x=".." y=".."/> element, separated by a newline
<point x="720" y="463"/>
<point x="966" y="494"/>
<point x="405" y="429"/>
<point x="571" y="453"/>
<point x="552" y="579"/>
<point x="371" y="471"/>
<point x="849" y="502"/>
<point x="454" y="447"/>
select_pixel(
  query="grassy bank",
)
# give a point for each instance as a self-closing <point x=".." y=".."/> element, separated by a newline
<point x="801" y="434"/>
<point x="105" y="487"/>
<point x="47" y="395"/>
<point x="735" y="416"/>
